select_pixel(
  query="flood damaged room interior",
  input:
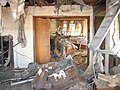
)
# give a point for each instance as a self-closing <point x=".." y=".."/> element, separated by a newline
<point x="59" y="44"/>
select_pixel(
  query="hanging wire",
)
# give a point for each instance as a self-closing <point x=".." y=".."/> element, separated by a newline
<point x="23" y="55"/>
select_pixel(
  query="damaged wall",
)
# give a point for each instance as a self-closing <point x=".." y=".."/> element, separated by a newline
<point x="112" y="37"/>
<point x="23" y="56"/>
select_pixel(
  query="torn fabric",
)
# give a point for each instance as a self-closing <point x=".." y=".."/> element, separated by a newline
<point x="21" y="32"/>
<point x="17" y="8"/>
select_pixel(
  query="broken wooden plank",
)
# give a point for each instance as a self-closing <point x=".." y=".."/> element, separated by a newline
<point x="104" y="28"/>
<point x="114" y="51"/>
<point x="113" y="80"/>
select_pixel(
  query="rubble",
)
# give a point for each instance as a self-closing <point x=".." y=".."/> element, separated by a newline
<point x="61" y="75"/>
<point x="115" y="70"/>
<point x="30" y="71"/>
<point x="67" y="55"/>
<point x="113" y="80"/>
<point x="59" y="78"/>
<point x="80" y="86"/>
<point x="62" y="46"/>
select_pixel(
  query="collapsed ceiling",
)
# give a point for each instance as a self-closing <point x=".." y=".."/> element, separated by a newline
<point x="17" y="6"/>
<point x="61" y="2"/>
<point x="52" y="2"/>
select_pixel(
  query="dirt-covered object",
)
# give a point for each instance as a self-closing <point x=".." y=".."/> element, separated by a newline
<point x="60" y="77"/>
<point x="115" y="69"/>
<point x="113" y="80"/>
<point x="30" y="71"/>
<point x="81" y="86"/>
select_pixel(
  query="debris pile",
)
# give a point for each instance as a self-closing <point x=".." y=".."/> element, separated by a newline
<point x="61" y="75"/>
<point x="62" y="46"/>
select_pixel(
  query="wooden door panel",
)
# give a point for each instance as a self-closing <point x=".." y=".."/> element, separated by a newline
<point x="42" y="40"/>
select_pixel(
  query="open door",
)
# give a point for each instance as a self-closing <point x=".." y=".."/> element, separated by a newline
<point x="42" y="40"/>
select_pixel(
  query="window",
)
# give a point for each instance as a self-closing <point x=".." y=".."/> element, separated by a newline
<point x="70" y="27"/>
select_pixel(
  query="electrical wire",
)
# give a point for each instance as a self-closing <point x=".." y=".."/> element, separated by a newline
<point x="9" y="50"/>
<point x="23" y="55"/>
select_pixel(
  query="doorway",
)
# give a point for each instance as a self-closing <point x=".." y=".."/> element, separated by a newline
<point x="74" y="28"/>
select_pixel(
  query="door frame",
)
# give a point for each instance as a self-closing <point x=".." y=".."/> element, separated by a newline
<point x="58" y="18"/>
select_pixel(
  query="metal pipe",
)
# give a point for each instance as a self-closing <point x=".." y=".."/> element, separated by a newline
<point x="21" y="82"/>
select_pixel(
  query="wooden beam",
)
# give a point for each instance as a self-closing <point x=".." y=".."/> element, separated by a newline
<point x="104" y="28"/>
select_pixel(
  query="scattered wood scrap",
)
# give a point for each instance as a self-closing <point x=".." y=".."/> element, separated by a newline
<point x="113" y="80"/>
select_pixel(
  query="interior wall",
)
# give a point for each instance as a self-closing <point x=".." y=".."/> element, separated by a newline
<point x="23" y="56"/>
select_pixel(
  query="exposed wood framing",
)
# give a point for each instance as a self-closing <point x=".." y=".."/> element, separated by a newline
<point x="104" y="28"/>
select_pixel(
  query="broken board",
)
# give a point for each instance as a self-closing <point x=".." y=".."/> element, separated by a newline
<point x="104" y="28"/>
